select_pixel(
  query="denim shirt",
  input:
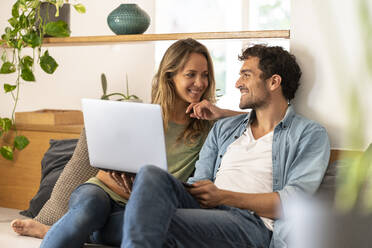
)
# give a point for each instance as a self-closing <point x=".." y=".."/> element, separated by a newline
<point x="300" y="155"/>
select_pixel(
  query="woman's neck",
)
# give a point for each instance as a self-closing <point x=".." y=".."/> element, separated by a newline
<point x="178" y="114"/>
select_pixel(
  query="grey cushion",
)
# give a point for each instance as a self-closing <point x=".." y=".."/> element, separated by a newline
<point x="76" y="172"/>
<point x="52" y="164"/>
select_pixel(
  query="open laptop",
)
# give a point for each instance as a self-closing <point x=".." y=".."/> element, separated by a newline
<point x="124" y="136"/>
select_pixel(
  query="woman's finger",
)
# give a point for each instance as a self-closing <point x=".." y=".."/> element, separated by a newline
<point x="125" y="182"/>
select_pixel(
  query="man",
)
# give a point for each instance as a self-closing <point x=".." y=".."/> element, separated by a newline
<point x="248" y="169"/>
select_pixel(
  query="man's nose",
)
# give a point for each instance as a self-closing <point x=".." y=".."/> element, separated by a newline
<point x="238" y="83"/>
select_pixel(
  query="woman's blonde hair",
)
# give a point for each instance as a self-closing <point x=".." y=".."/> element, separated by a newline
<point x="163" y="89"/>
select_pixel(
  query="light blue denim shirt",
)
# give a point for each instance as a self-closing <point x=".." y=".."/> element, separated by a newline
<point x="300" y="155"/>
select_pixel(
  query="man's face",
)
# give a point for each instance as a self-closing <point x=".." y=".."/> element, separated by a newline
<point x="253" y="89"/>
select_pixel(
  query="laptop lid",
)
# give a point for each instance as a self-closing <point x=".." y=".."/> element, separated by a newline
<point x="124" y="136"/>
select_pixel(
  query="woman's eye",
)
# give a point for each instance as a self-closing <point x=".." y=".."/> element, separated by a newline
<point x="189" y="75"/>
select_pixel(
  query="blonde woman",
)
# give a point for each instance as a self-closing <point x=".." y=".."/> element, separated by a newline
<point x="184" y="84"/>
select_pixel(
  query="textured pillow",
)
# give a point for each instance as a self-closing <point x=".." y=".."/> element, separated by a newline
<point x="52" y="164"/>
<point x="76" y="172"/>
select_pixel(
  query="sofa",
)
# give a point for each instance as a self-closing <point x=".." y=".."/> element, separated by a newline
<point x="24" y="179"/>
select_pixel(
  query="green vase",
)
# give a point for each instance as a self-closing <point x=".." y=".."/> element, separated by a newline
<point x="128" y="19"/>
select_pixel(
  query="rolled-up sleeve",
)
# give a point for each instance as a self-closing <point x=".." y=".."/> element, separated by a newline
<point x="307" y="167"/>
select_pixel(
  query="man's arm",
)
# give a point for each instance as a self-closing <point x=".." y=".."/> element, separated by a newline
<point x="209" y="196"/>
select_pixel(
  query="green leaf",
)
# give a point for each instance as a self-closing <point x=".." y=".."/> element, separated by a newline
<point x="6" y="152"/>
<point x="15" y="10"/>
<point x="27" y="61"/>
<point x="80" y="8"/>
<point x="7" y="67"/>
<point x="20" y="142"/>
<point x="9" y="88"/>
<point x="35" y="4"/>
<point x="13" y="21"/>
<point x="47" y="63"/>
<point x="32" y="38"/>
<point x="27" y="74"/>
<point x="57" y="29"/>
<point x="104" y="83"/>
<point x="24" y="21"/>
<point x="5" y="124"/>
<point x="3" y="56"/>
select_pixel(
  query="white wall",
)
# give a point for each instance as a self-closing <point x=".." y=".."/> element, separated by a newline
<point x="80" y="67"/>
<point x="326" y="39"/>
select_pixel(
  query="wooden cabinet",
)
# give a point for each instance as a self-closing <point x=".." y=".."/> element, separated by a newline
<point x="20" y="178"/>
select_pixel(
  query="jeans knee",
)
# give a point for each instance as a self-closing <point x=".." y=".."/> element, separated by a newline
<point x="88" y="196"/>
<point x="151" y="172"/>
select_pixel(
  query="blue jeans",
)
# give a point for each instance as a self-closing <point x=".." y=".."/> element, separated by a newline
<point x="161" y="213"/>
<point x="92" y="217"/>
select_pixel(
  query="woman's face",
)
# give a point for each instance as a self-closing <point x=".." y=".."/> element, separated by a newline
<point x="192" y="80"/>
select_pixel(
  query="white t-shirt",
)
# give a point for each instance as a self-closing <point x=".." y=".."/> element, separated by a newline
<point x="246" y="167"/>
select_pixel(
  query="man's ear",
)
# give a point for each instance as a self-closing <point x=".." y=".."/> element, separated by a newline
<point x="275" y="82"/>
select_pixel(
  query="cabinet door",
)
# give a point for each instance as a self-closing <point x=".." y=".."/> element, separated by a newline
<point x="20" y="178"/>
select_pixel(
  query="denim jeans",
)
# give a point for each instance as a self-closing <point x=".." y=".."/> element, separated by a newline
<point x="161" y="213"/>
<point x="92" y="217"/>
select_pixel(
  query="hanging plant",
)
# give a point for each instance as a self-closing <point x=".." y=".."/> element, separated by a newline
<point x="27" y="29"/>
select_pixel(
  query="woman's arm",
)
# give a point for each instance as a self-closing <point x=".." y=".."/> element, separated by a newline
<point x="207" y="111"/>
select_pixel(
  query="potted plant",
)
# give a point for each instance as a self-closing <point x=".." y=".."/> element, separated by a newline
<point x="122" y="97"/>
<point x="27" y="29"/>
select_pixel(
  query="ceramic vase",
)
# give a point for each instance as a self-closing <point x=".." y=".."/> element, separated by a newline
<point x="128" y="19"/>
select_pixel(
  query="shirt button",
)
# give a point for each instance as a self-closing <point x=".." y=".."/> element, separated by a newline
<point x="220" y="156"/>
<point x="236" y="137"/>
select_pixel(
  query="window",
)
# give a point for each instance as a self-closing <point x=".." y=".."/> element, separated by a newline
<point x="175" y="16"/>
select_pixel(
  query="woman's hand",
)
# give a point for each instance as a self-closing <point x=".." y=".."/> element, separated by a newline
<point x="124" y="181"/>
<point x="204" y="110"/>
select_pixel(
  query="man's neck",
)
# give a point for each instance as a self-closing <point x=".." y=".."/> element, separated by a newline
<point x="267" y="118"/>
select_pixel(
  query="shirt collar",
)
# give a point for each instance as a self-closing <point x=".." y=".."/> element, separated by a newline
<point x="284" y="123"/>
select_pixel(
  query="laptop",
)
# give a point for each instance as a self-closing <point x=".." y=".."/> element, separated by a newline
<point x="124" y="136"/>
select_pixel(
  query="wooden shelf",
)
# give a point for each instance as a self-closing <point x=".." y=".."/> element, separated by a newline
<point x="115" y="39"/>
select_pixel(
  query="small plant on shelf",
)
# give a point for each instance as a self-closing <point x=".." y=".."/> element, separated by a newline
<point x="27" y="29"/>
<point x="122" y="97"/>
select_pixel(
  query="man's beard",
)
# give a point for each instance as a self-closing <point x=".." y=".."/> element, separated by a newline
<point x="254" y="103"/>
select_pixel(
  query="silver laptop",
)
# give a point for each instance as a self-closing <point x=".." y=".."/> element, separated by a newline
<point x="124" y="136"/>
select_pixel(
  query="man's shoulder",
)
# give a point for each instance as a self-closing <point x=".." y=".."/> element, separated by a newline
<point x="304" y="123"/>
<point x="232" y="121"/>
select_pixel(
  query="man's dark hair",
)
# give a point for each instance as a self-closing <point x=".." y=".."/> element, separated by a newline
<point x="276" y="60"/>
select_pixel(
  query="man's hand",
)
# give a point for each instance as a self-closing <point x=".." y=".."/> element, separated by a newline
<point x="204" y="110"/>
<point x="124" y="180"/>
<point x="206" y="193"/>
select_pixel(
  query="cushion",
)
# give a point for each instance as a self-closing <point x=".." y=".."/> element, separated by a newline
<point x="76" y="172"/>
<point x="52" y="164"/>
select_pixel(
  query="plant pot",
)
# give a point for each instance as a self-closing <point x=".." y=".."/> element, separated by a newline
<point x="48" y="14"/>
<point x="128" y="19"/>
